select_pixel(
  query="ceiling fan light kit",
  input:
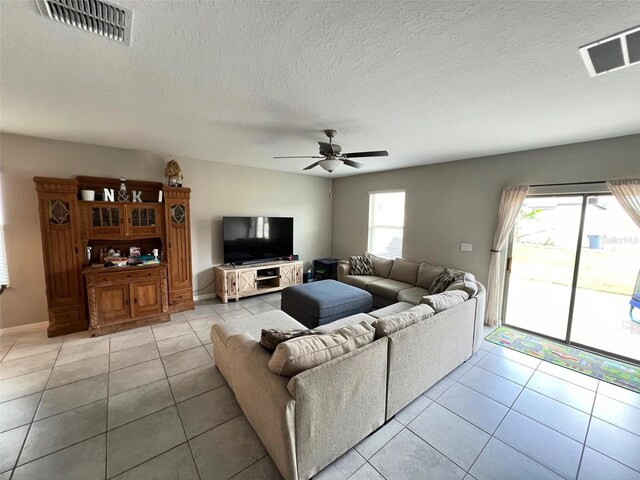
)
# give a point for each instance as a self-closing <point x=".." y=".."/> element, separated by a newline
<point x="332" y="157"/>
<point x="330" y="164"/>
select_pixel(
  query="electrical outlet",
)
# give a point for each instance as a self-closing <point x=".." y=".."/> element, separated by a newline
<point x="466" y="247"/>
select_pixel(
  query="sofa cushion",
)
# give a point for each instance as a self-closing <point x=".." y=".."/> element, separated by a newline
<point x="387" y="288"/>
<point x="412" y="295"/>
<point x="361" y="265"/>
<point x="442" y="281"/>
<point x="303" y="353"/>
<point x="360" y="281"/>
<point x="404" y="271"/>
<point x="443" y="301"/>
<point x="387" y="325"/>
<point x="345" y="322"/>
<point x="391" y="309"/>
<point x="465" y="282"/>
<point x="427" y="273"/>
<point x="381" y="266"/>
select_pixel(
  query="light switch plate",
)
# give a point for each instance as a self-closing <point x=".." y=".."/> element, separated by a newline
<point x="466" y="247"/>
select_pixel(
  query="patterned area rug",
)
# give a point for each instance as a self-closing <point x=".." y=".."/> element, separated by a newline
<point x="606" y="369"/>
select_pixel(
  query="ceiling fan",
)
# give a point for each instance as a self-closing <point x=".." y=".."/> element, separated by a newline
<point x="332" y="156"/>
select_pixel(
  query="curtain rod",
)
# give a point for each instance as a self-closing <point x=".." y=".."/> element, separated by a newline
<point x="570" y="183"/>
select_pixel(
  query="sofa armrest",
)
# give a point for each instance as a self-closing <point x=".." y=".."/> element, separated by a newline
<point x="478" y="334"/>
<point x="265" y="401"/>
<point x="343" y="269"/>
<point x="338" y="404"/>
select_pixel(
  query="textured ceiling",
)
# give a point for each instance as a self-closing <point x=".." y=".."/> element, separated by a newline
<point x="240" y="82"/>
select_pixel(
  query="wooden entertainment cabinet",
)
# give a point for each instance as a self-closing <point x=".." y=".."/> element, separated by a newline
<point x="82" y="296"/>
<point x="254" y="279"/>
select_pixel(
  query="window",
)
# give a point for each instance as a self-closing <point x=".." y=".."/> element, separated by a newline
<point x="386" y="223"/>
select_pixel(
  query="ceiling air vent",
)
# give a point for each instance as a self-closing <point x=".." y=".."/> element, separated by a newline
<point x="612" y="53"/>
<point x="95" y="16"/>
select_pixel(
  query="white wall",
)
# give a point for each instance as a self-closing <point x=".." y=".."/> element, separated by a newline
<point x="454" y="202"/>
<point x="217" y="189"/>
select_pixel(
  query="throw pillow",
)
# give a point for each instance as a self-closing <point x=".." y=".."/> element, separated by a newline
<point x="445" y="300"/>
<point x="272" y="337"/>
<point x="361" y="265"/>
<point x="381" y="266"/>
<point x="392" y="323"/>
<point x="303" y="353"/>
<point x="442" y="281"/>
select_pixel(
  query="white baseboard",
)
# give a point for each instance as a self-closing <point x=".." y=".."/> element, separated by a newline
<point x="23" y="328"/>
<point x="204" y="296"/>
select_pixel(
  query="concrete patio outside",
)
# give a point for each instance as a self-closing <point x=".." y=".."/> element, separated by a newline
<point x="600" y="320"/>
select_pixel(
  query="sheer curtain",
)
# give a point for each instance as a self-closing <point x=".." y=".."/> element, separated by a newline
<point x="627" y="192"/>
<point x="510" y="203"/>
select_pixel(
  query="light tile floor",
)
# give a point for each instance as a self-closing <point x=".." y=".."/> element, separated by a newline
<point x="149" y="404"/>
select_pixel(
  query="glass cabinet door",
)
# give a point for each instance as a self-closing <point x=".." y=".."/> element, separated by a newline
<point x="104" y="221"/>
<point x="143" y="220"/>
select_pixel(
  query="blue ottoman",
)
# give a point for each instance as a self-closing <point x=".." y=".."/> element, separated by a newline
<point x="318" y="303"/>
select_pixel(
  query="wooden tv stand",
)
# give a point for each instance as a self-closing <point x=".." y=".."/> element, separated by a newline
<point x="254" y="279"/>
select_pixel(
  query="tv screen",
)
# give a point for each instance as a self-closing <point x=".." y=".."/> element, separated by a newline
<point x="257" y="239"/>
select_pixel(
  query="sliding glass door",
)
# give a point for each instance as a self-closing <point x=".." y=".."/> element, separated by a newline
<point x="573" y="267"/>
<point x="609" y="262"/>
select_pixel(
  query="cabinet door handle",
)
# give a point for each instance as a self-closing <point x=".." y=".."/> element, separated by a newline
<point x="135" y="300"/>
<point x="76" y="250"/>
<point x="126" y="302"/>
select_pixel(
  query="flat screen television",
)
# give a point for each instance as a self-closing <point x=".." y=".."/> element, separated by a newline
<point x="257" y="239"/>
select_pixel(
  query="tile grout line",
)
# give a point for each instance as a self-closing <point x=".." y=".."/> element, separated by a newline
<point x="543" y="394"/>
<point x="175" y="403"/>
<point x="542" y="362"/>
<point x="440" y="452"/>
<point x="586" y="436"/>
<point x="517" y="361"/>
<point x="372" y="466"/>
<point x="12" y="343"/>
<point x="219" y="425"/>
<point x="502" y="376"/>
<point x="590" y="417"/>
<point x="64" y="448"/>
<point x="249" y="466"/>
<point x="385" y="443"/>
<point x="407" y="426"/>
<point x="186" y="442"/>
<point x="510" y="407"/>
<point x="492" y="435"/>
<point x="454" y="380"/>
<point x="26" y="437"/>
<point x="106" y="437"/>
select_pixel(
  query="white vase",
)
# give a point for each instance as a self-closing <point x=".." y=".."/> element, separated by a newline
<point x="88" y="195"/>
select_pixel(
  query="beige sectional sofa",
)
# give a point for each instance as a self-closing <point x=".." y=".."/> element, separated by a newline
<point x="309" y="420"/>
<point x="396" y="280"/>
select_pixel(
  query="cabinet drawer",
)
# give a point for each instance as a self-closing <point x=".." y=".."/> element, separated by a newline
<point x="184" y="296"/>
<point x="117" y="276"/>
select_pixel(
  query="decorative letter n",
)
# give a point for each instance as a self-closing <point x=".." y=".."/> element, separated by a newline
<point x="108" y="195"/>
